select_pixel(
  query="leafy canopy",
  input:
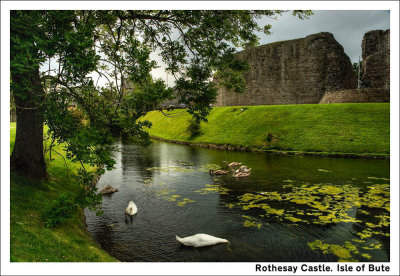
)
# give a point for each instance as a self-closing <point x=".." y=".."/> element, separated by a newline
<point x="80" y="48"/>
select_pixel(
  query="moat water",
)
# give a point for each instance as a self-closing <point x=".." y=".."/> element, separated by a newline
<point x="291" y="208"/>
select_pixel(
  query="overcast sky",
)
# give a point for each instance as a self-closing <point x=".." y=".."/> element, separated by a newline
<point x="348" y="28"/>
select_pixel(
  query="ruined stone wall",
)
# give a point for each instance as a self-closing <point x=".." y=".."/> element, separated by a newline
<point x="296" y="71"/>
<point x="376" y="59"/>
<point x="367" y="95"/>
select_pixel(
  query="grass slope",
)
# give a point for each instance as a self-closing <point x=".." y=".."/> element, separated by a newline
<point x="330" y="128"/>
<point x="30" y="241"/>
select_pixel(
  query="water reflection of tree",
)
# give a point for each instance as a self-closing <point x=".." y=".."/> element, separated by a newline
<point x="137" y="158"/>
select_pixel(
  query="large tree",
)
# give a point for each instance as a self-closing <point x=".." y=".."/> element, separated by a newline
<point x="81" y="47"/>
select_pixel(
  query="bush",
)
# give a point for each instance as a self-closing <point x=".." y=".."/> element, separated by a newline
<point x="194" y="127"/>
<point x="66" y="205"/>
<point x="60" y="209"/>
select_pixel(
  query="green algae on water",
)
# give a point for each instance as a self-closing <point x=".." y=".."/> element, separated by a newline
<point x="326" y="204"/>
<point x="185" y="201"/>
<point x="251" y="222"/>
<point x="208" y="167"/>
<point x="288" y="181"/>
<point x="342" y="252"/>
<point x="211" y="188"/>
<point x="166" y="194"/>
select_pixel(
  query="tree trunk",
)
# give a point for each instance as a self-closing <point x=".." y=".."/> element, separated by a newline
<point x="27" y="157"/>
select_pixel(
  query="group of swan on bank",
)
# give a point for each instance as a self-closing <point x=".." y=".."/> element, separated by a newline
<point x="236" y="168"/>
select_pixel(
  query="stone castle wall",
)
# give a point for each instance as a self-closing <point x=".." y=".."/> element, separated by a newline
<point x="296" y="71"/>
<point x="376" y="59"/>
<point x="366" y="95"/>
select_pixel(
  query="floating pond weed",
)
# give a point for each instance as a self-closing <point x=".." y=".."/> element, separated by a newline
<point x="373" y="246"/>
<point x="148" y="182"/>
<point x="208" y="167"/>
<point x="251" y="222"/>
<point x="185" y="201"/>
<point x="173" y="197"/>
<point x="342" y="252"/>
<point x="378" y="178"/>
<point x="377" y="196"/>
<point x="211" y="188"/>
<point x="363" y="212"/>
<point x="366" y="255"/>
<point x="367" y="205"/>
<point x="327" y="204"/>
<point x="166" y="194"/>
<point x="288" y="181"/>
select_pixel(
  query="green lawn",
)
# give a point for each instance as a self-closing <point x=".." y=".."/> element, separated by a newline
<point x="30" y="241"/>
<point x="330" y="128"/>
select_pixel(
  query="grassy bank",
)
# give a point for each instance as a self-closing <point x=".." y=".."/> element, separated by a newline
<point x="30" y="241"/>
<point x="329" y="128"/>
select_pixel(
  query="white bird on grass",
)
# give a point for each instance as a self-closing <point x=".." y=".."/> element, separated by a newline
<point x="131" y="209"/>
<point x="200" y="240"/>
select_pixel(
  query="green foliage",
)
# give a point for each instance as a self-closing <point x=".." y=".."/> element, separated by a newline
<point x="330" y="128"/>
<point x="66" y="205"/>
<point x="84" y="143"/>
<point x="116" y="45"/>
<point x="60" y="209"/>
<point x="194" y="127"/>
<point x="88" y="196"/>
<point x="30" y="204"/>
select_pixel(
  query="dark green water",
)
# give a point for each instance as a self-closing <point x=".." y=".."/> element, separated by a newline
<point x="291" y="209"/>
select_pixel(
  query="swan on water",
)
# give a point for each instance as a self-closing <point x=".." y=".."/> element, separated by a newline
<point x="131" y="209"/>
<point x="231" y="165"/>
<point x="218" y="172"/>
<point x="234" y="164"/>
<point x="244" y="169"/>
<point x="200" y="240"/>
<point x="241" y="174"/>
<point x="108" y="190"/>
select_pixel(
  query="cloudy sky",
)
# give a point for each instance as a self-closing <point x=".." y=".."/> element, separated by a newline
<point x="348" y="28"/>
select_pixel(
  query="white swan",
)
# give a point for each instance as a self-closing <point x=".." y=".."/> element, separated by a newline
<point x="243" y="169"/>
<point x="218" y="172"/>
<point x="131" y="209"/>
<point x="200" y="240"/>
<point x="231" y="165"/>
<point x="241" y="174"/>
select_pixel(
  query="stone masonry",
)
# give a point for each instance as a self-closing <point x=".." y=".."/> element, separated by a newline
<point x="376" y="59"/>
<point x="365" y="95"/>
<point x="296" y="71"/>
